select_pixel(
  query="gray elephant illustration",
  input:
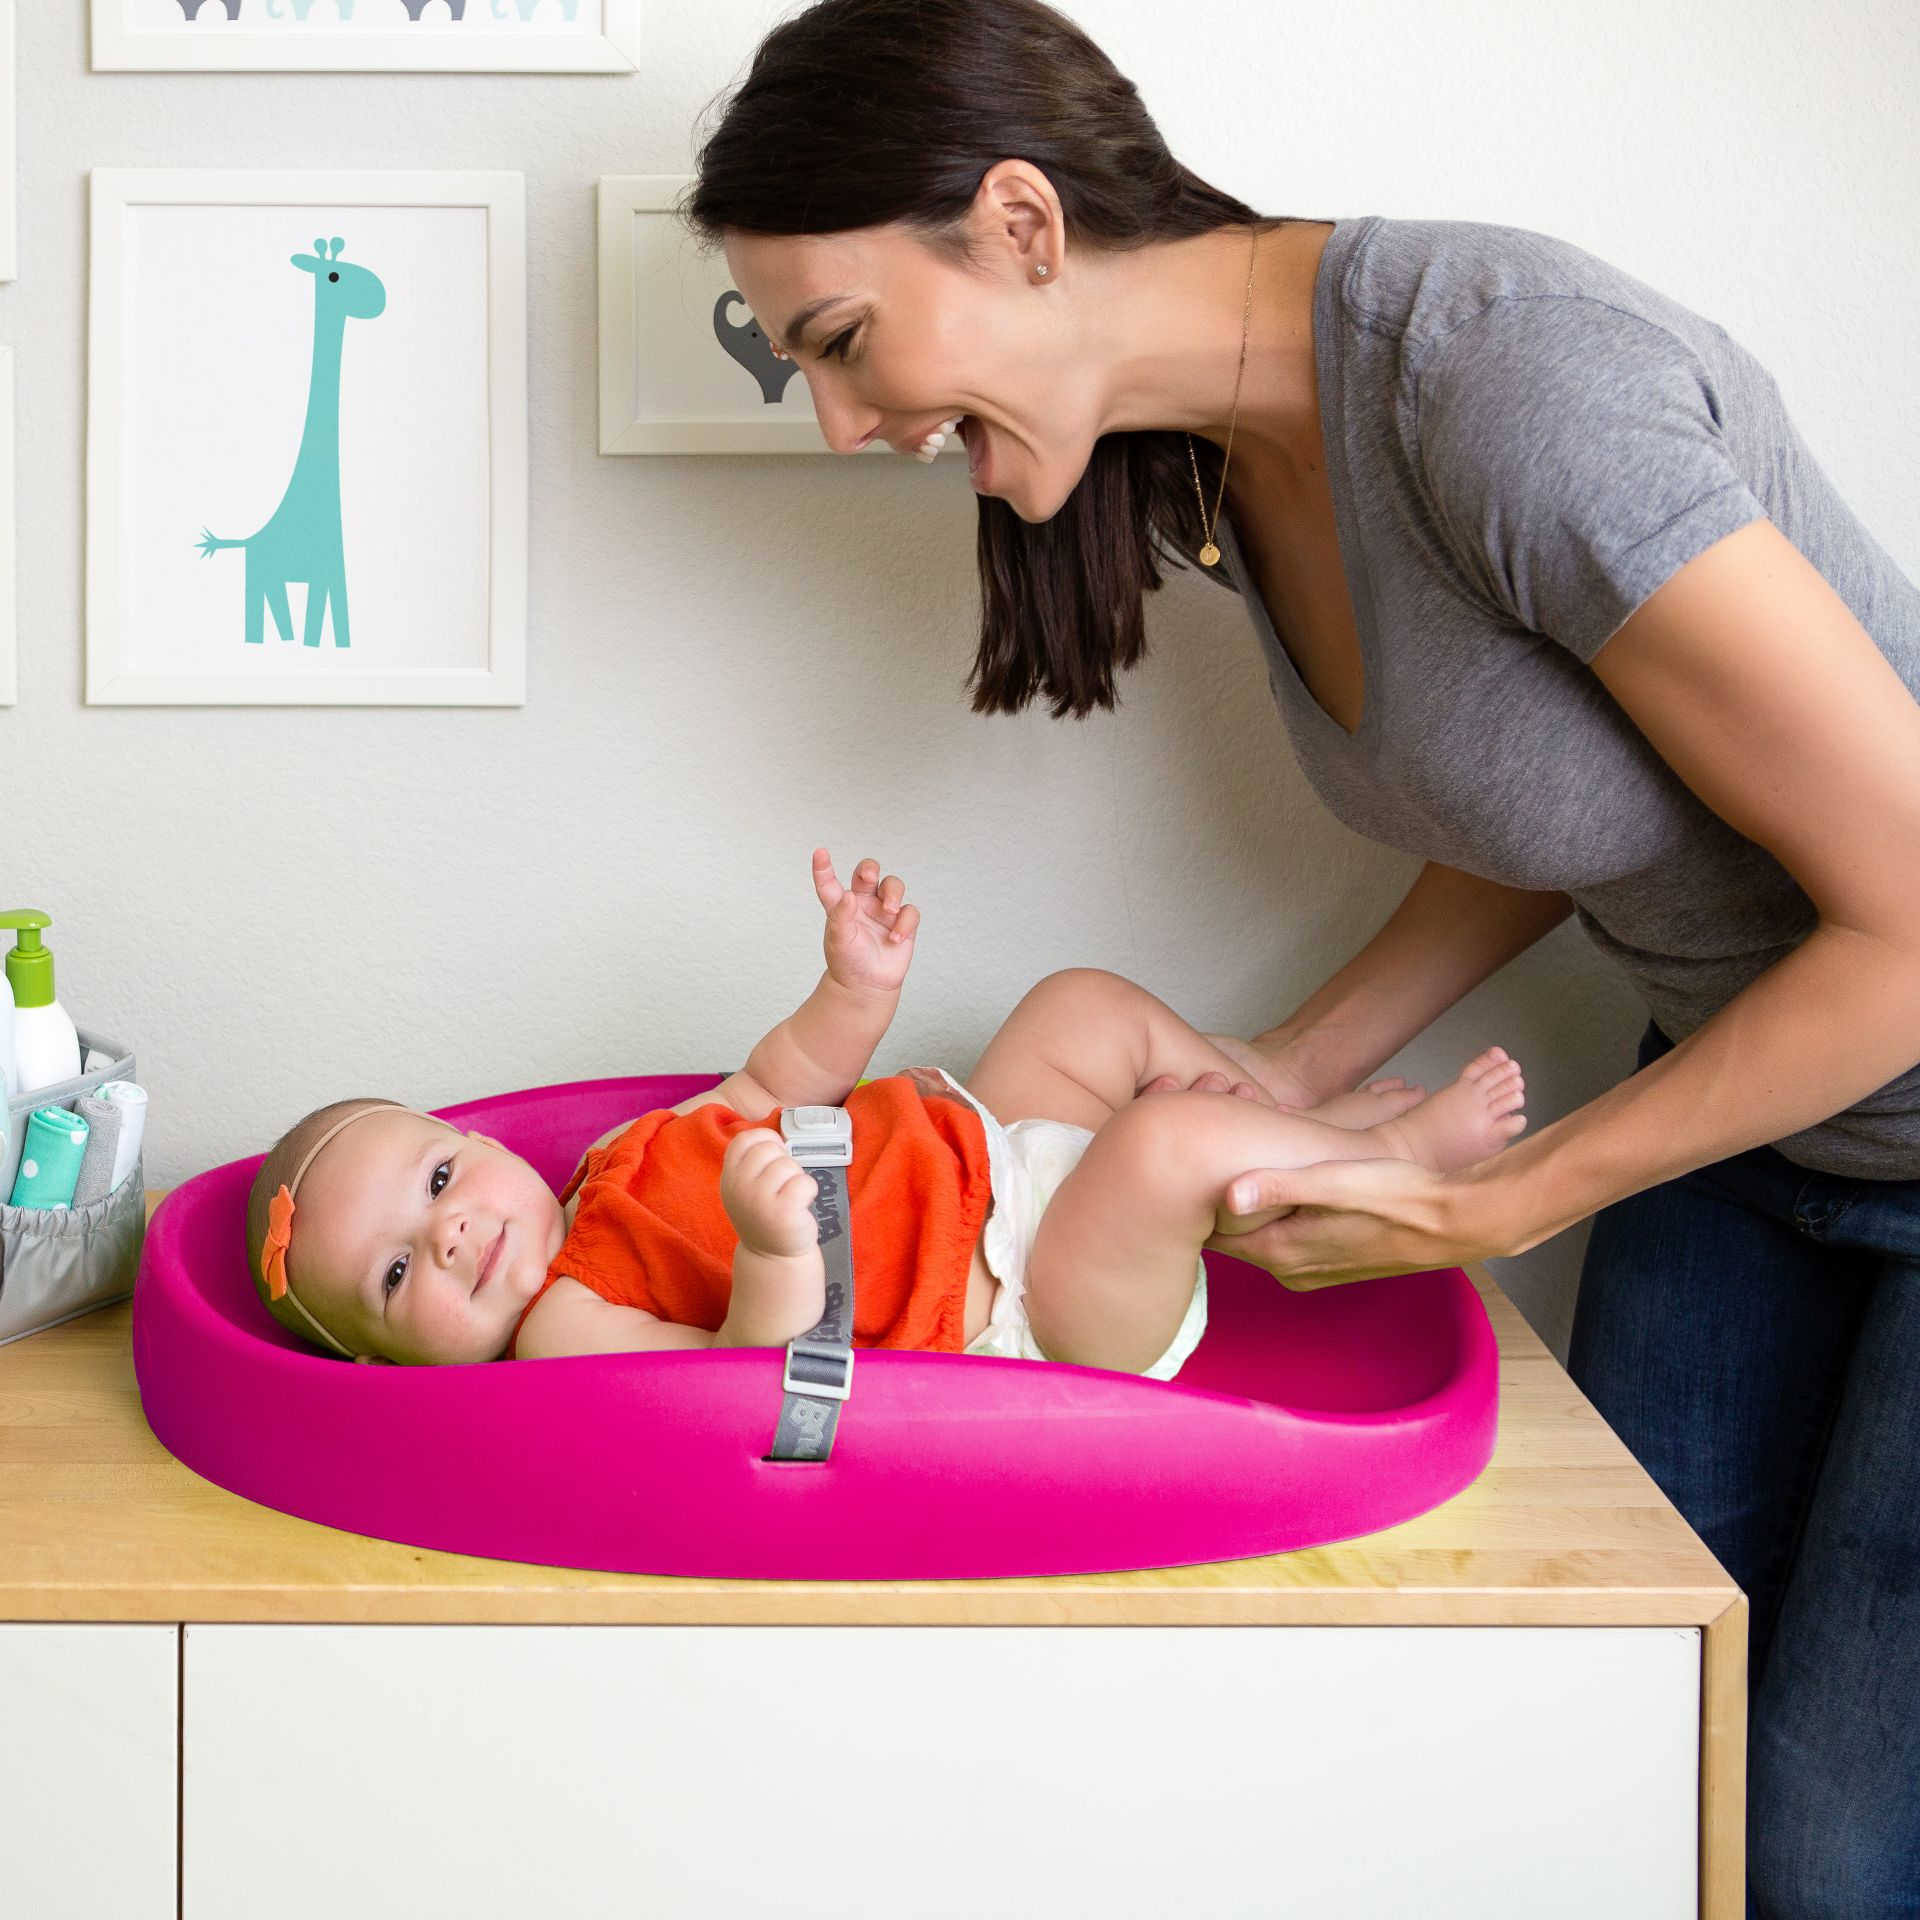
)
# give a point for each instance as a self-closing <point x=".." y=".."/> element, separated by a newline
<point x="415" y="8"/>
<point x="529" y="7"/>
<point x="191" y="8"/>
<point x="301" y="8"/>
<point x="749" y="346"/>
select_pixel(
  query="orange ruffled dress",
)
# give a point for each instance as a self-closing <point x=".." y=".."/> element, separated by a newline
<point x="650" y="1231"/>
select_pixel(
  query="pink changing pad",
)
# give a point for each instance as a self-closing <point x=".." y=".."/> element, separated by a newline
<point x="1300" y="1419"/>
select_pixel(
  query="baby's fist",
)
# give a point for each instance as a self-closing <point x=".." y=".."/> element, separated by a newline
<point x="767" y="1194"/>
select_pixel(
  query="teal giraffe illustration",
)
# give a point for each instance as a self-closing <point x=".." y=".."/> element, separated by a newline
<point x="303" y="540"/>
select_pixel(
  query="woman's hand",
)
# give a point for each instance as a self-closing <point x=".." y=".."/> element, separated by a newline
<point x="1341" y="1220"/>
<point x="869" y="936"/>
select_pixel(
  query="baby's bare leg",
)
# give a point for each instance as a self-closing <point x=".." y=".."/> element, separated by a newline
<point x="1080" y="1043"/>
<point x="1112" y="1265"/>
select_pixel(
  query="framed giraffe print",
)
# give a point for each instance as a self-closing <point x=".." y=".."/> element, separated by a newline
<point x="367" y="36"/>
<point x="684" y="365"/>
<point x="306" y="438"/>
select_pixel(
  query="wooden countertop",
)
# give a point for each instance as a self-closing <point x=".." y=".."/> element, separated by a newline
<point x="99" y="1522"/>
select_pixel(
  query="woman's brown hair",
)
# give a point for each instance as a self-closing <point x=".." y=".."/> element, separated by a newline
<point x="859" y="113"/>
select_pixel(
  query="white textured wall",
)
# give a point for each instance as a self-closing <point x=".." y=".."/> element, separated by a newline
<point x="280" y="907"/>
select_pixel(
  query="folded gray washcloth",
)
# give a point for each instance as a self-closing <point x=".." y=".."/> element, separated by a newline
<point x="96" y="1168"/>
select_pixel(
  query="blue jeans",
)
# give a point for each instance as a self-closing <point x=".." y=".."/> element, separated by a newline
<point x="1751" y="1330"/>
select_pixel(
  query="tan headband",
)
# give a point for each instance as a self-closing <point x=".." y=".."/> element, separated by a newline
<point x="273" y="1253"/>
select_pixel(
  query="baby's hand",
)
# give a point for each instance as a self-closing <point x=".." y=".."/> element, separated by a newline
<point x="767" y="1194"/>
<point x="869" y="938"/>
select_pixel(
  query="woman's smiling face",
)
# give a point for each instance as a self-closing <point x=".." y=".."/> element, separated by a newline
<point x="895" y="338"/>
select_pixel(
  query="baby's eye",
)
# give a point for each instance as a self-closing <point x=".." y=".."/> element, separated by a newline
<point x="445" y="1167"/>
<point x="394" y="1274"/>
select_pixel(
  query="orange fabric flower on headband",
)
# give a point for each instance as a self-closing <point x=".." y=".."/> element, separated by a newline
<point x="273" y="1255"/>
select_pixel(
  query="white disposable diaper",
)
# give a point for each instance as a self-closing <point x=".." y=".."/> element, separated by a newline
<point x="1027" y="1161"/>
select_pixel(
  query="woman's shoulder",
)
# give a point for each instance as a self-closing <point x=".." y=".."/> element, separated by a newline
<point x="1420" y="280"/>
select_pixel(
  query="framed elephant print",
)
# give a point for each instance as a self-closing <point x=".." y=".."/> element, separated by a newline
<point x="307" y="438"/>
<point x="684" y="365"/>
<point x="379" y="36"/>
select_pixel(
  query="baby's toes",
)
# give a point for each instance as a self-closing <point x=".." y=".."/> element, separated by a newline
<point x="1505" y="1095"/>
<point x="1511" y="1124"/>
<point x="1483" y="1064"/>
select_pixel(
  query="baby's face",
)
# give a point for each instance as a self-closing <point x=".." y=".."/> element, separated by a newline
<point x="420" y="1244"/>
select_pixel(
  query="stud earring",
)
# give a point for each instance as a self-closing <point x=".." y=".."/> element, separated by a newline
<point x="1040" y="272"/>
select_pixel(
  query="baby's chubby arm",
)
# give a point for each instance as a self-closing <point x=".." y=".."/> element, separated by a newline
<point x="812" y="1058"/>
<point x="817" y="1053"/>
<point x="779" y="1276"/>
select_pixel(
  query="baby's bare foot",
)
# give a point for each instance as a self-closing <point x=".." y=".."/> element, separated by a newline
<point x="1378" y="1100"/>
<point x="1476" y="1116"/>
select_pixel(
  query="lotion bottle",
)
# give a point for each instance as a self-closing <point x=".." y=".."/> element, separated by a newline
<point x="45" y="1046"/>
<point x="9" y="1073"/>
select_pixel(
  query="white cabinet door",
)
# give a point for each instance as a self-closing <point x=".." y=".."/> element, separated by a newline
<point x="913" y="1773"/>
<point x="89" y="1747"/>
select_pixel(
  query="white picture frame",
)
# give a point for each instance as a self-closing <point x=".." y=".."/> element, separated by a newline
<point x="9" y="582"/>
<point x="667" y="384"/>
<point x="134" y="36"/>
<point x="9" y="146"/>
<point x="427" y="438"/>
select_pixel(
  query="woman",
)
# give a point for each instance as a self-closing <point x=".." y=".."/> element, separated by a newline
<point x="1551" y="593"/>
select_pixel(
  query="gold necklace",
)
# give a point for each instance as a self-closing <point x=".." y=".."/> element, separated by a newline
<point x="1209" y="554"/>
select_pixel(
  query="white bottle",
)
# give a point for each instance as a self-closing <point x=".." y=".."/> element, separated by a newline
<point x="46" y="1048"/>
<point x="9" y="1070"/>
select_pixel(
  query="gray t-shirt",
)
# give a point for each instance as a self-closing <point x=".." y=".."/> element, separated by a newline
<point x="1523" y="443"/>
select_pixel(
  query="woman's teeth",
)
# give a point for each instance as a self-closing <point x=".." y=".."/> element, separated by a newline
<point x="931" y="445"/>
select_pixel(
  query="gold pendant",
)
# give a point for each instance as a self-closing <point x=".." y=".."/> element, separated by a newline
<point x="1209" y="554"/>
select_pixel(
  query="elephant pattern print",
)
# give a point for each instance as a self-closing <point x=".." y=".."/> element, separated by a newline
<point x="415" y="8"/>
<point x="304" y="539"/>
<point x="748" y="345"/>
<point x="301" y="8"/>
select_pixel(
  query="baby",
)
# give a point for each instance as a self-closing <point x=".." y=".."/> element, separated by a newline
<point x="1040" y="1211"/>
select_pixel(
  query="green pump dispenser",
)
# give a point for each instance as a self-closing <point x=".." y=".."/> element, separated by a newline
<point x="29" y="964"/>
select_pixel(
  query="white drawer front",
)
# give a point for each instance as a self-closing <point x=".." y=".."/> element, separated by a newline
<point x="89" y="1754"/>
<point x="921" y="1772"/>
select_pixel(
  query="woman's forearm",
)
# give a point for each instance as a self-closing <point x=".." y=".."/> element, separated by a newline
<point x="1451" y="931"/>
<point x="817" y="1053"/>
<point x="1834" y="1020"/>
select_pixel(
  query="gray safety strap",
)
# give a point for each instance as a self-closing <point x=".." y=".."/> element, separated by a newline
<point x="819" y="1370"/>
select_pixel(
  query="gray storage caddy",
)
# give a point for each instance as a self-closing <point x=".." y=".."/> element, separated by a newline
<point x="57" y="1263"/>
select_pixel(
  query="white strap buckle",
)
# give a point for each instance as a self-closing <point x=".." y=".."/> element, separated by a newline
<point x="841" y="1357"/>
<point x="818" y="1136"/>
